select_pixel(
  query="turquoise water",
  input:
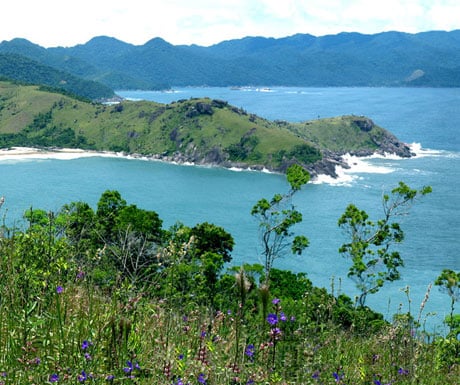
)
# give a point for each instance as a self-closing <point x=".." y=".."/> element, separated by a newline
<point x="429" y="117"/>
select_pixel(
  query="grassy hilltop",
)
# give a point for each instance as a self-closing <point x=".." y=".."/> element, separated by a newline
<point x="203" y="131"/>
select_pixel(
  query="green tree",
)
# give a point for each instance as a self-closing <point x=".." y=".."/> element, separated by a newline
<point x="209" y="238"/>
<point x="276" y="219"/>
<point x="449" y="282"/>
<point x="78" y="220"/>
<point x="108" y="208"/>
<point x="370" y="247"/>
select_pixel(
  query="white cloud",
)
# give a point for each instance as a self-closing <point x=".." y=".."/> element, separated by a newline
<point x="205" y="22"/>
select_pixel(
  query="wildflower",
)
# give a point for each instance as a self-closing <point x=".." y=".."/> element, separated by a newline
<point x="80" y="274"/>
<point x="315" y="375"/>
<point x="272" y="319"/>
<point x="250" y="382"/>
<point x="275" y="333"/>
<point x="338" y="377"/>
<point x="88" y="357"/>
<point x="249" y="351"/>
<point x="82" y="377"/>
<point x="129" y="367"/>
<point x="403" y="372"/>
<point x="202" y="379"/>
<point x="292" y="319"/>
<point x="110" y="377"/>
<point x="59" y="289"/>
<point x="54" y="378"/>
<point x="275" y="301"/>
<point x="283" y="317"/>
<point x="181" y="357"/>
<point x="203" y="334"/>
<point x="37" y="361"/>
<point x="86" y="344"/>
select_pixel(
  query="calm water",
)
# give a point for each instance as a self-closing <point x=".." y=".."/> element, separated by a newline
<point x="428" y="117"/>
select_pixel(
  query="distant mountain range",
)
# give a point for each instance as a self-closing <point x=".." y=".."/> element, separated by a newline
<point x="389" y="59"/>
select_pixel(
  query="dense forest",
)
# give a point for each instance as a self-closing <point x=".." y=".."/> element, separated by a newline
<point x="389" y="59"/>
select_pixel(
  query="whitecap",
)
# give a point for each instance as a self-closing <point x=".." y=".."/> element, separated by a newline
<point x="362" y="166"/>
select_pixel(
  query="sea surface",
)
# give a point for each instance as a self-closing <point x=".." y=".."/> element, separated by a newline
<point x="426" y="118"/>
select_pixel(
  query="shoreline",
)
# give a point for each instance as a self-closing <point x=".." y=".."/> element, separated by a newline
<point x="20" y="153"/>
<point x="345" y="170"/>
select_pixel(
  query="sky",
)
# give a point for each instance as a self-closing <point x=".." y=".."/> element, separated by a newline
<point x="52" y="23"/>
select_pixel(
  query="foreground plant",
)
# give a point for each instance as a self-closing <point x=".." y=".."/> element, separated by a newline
<point x="370" y="246"/>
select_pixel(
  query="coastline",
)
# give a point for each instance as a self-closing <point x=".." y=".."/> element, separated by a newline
<point x="337" y="170"/>
<point x="24" y="153"/>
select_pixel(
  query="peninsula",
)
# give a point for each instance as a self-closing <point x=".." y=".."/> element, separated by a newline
<point x="199" y="131"/>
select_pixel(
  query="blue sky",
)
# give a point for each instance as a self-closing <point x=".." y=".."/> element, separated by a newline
<point x="205" y="22"/>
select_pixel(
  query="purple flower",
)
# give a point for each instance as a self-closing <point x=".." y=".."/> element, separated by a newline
<point x="129" y="367"/>
<point x="181" y="357"/>
<point x="275" y="301"/>
<point x="59" y="289"/>
<point x="283" y="317"/>
<point x="54" y="378"/>
<point x="275" y="333"/>
<point x="80" y="274"/>
<point x="403" y="372"/>
<point x="88" y="357"/>
<point x="110" y="377"/>
<point x="82" y="377"/>
<point x="249" y="351"/>
<point x="272" y="319"/>
<point x="338" y="377"/>
<point x="203" y="334"/>
<point x="202" y="379"/>
<point x="250" y="382"/>
<point x="86" y="344"/>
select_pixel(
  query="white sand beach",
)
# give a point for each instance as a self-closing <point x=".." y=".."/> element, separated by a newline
<point x="17" y="153"/>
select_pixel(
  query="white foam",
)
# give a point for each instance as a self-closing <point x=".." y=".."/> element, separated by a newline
<point x="361" y="165"/>
<point x="356" y="166"/>
<point x="421" y="152"/>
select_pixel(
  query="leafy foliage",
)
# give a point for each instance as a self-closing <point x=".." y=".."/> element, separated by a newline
<point x="72" y="313"/>
<point x="276" y="219"/>
<point x="373" y="261"/>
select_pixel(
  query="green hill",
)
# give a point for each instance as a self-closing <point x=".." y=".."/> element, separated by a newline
<point x="25" y="70"/>
<point x="389" y="59"/>
<point x="202" y="131"/>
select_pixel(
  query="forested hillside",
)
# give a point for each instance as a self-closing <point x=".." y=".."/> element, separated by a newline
<point x="389" y="59"/>
<point x="27" y="71"/>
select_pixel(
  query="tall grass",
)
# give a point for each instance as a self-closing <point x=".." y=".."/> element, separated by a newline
<point x="71" y="332"/>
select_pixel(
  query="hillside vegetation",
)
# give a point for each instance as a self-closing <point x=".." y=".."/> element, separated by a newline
<point x="24" y="70"/>
<point x="197" y="130"/>
<point x="109" y="296"/>
<point x="389" y="59"/>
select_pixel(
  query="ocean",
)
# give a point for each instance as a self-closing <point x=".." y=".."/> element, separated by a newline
<point x="428" y="119"/>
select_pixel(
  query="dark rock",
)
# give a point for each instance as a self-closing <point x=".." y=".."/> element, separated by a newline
<point x="365" y="124"/>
